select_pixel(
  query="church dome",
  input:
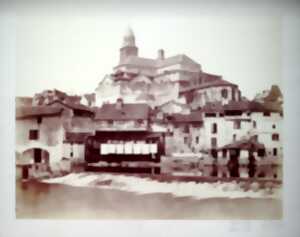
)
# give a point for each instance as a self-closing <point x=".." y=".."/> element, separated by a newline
<point x="128" y="39"/>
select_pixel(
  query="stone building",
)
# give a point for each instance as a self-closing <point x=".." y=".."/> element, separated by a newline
<point x="44" y="136"/>
<point x="197" y="112"/>
<point x="39" y="138"/>
<point x="178" y="78"/>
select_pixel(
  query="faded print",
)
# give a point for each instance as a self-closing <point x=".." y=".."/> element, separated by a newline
<point x="168" y="136"/>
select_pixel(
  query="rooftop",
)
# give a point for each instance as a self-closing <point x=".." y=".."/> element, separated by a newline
<point x="75" y="137"/>
<point x="36" y="111"/>
<point x="206" y="84"/>
<point x="194" y="116"/>
<point x="244" y="144"/>
<point x="155" y="63"/>
<point x="126" y="112"/>
<point x="72" y="105"/>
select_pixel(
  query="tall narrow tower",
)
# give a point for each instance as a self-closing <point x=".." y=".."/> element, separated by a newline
<point x="128" y="47"/>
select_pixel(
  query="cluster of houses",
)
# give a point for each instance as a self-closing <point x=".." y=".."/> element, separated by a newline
<point x="197" y="114"/>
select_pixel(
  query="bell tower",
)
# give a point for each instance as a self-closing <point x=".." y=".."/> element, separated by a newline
<point x="128" y="46"/>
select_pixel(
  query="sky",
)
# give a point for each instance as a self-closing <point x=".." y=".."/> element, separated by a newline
<point x="72" y="48"/>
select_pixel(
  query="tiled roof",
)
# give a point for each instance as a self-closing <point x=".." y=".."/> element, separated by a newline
<point x="266" y="107"/>
<point x="245" y="144"/>
<point x="213" y="83"/>
<point x="127" y="112"/>
<point x="208" y="77"/>
<point x="154" y="63"/>
<point x="180" y="58"/>
<point x="252" y="106"/>
<point x="213" y="108"/>
<point x="194" y="116"/>
<point x="36" y="111"/>
<point x="73" y="137"/>
<point x="237" y="105"/>
<point x="72" y="105"/>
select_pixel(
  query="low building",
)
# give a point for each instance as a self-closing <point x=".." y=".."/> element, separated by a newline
<point x="39" y="138"/>
<point x="122" y="117"/>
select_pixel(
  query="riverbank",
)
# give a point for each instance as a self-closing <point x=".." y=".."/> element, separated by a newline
<point x="59" y="201"/>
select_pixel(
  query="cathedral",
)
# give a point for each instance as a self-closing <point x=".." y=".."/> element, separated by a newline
<point x="157" y="81"/>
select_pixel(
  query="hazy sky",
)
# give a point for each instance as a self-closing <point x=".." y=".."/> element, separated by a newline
<point x="72" y="49"/>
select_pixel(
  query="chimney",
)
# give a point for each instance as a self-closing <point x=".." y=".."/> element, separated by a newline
<point x="119" y="104"/>
<point x="161" y="54"/>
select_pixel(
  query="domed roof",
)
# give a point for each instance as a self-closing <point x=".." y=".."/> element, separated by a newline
<point x="128" y="38"/>
<point x="129" y="32"/>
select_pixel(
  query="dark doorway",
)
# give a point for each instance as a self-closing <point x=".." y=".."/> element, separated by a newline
<point x="25" y="172"/>
<point x="37" y="155"/>
<point x="233" y="164"/>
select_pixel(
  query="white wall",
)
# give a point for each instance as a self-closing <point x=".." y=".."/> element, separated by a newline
<point x="264" y="131"/>
<point x="51" y="134"/>
<point x="213" y="94"/>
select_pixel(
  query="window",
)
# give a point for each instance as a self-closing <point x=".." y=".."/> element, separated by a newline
<point x="275" y="137"/>
<point x="273" y="126"/>
<point x="33" y="134"/>
<point x="214" y="142"/>
<point x="234" y="137"/>
<point x="214" y="153"/>
<point x="39" y="120"/>
<point x="210" y="115"/>
<point x="224" y="93"/>
<point x="196" y="125"/>
<point x="254" y="124"/>
<point x="186" y="128"/>
<point x="255" y="138"/>
<point x="214" y="128"/>
<point x="224" y="152"/>
<point x="261" y="152"/>
<point x="197" y="140"/>
<point x="185" y="140"/>
<point x="237" y="125"/>
<point x="274" y="151"/>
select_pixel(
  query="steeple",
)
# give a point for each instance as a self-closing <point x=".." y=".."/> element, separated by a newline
<point x="128" y="46"/>
<point x="128" y="39"/>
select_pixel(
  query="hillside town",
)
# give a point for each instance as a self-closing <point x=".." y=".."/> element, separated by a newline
<point x="161" y="115"/>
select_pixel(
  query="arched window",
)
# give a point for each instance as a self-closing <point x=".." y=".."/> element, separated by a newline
<point x="224" y="93"/>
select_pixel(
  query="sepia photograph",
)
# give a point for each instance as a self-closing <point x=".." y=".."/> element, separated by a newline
<point x="136" y="114"/>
